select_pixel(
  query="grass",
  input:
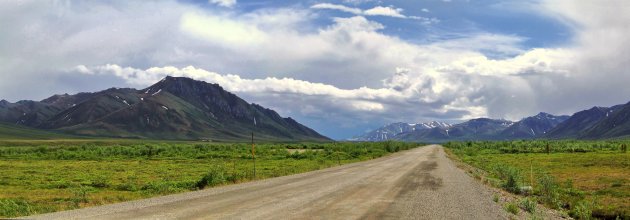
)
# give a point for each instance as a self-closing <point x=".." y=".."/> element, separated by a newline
<point x="18" y="132"/>
<point x="584" y="178"/>
<point x="46" y="176"/>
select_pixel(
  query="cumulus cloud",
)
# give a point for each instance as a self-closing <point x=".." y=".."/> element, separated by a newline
<point x="347" y="74"/>
<point x="458" y="89"/>
<point x="600" y="54"/>
<point x="322" y="96"/>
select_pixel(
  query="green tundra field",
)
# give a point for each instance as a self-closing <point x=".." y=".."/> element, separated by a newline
<point x="41" y="176"/>
<point x="584" y="179"/>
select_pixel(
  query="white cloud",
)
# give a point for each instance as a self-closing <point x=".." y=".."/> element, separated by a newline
<point x="349" y="62"/>
<point x="385" y="11"/>
<point x="343" y="8"/>
<point x="348" y="72"/>
<point x="216" y="28"/>
<point x="357" y="2"/>
<point x="388" y="11"/>
<point x="461" y="87"/>
<point x="505" y="45"/>
<point x="425" y="10"/>
<point x="224" y="3"/>
<point x="361" y="99"/>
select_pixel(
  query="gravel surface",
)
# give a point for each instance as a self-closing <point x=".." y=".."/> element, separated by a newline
<point x="415" y="184"/>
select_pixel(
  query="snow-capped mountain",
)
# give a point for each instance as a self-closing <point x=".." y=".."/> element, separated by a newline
<point x="474" y="129"/>
<point x="389" y="131"/>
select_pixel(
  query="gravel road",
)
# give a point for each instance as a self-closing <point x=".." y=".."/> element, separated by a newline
<point x="415" y="184"/>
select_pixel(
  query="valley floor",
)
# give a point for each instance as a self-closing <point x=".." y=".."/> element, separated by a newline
<point x="416" y="184"/>
<point x="55" y="175"/>
<point x="582" y="178"/>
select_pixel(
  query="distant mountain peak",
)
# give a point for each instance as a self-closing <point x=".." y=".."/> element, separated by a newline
<point x="544" y="115"/>
<point x="434" y="124"/>
<point x="391" y="130"/>
<point x="598" y="108"/>
<point x="55" y="98"/>
<point x="533" y="126"/>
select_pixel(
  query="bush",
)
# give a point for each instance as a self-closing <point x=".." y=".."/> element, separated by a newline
<point x="100" y="182"/>
<point x="236" y="176"/>
<point x="528" y="205"/>
<point x="127" y="187"/>
<point x="511" y="176"/>
<point x="15" y="207"/>
<point x="582" y="210"/>
<point x="62" y="184"/>
<point x="167" y="187"/>
<point x="548" y="190"/>
<point x="511" y="208"/>
<point x="216" y="176"/>
<point x="80" y="195"/>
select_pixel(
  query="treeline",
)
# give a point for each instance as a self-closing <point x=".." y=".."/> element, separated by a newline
<point x="538" y="146"/>
<point x="342" y="150"/>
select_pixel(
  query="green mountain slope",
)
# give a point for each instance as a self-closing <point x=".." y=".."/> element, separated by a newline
<point x="18" y="132"/>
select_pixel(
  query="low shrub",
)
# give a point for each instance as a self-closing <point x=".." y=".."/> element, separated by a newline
<point x="582" y="210"/>
<point x="511" y="177"/>
<point x="15" y="207"/>
<point x="511" y="208"/>
<point x="548" y="190"/>
<point x="167" y="187"/>
<point x="100" y="182"/>
<point x="80" y="195"/>
<point x="216" y="176"/>
<point x="127" y="187"/>
<point x="529" y="205"/>
<point x="62" y="184"/>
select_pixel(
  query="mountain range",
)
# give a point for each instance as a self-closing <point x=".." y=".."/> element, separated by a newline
<point x="174" y="108"/>
<point x="183" y="108"/>
<point x="594" y="123"/>
<point x="391" y="130"/>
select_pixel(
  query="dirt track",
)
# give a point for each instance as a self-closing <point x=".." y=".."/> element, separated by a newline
<point x="416" y="184"/>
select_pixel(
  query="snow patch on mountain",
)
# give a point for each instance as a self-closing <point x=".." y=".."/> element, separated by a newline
<point x="389" y="131"/>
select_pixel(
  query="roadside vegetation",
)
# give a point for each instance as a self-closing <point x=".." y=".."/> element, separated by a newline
<point x="46" y="176"/>
<point x="584" y="179"/>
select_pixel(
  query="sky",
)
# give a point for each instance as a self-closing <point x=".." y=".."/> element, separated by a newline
<point x="342" y="67"/>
